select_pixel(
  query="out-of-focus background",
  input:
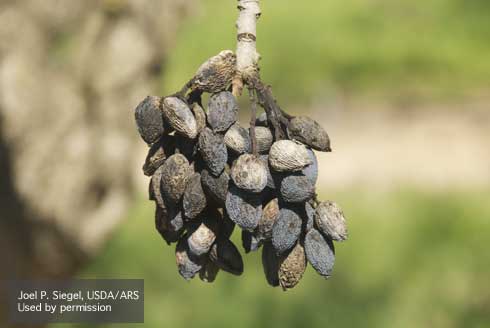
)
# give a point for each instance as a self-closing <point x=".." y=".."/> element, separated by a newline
<point x="402" y="87"/>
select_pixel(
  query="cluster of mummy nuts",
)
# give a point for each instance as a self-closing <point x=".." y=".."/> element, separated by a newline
<point x="208" y="175"/>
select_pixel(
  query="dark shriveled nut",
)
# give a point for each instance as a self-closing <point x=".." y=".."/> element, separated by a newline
<point x="175" y="172"/>
<point x="320" y="253"/>
<point x="157" y="154"/>
<point x="296" y="188"/>
<point x="202" y="238"/>
<point x="216" y="73"/>
<point x="179" y="116"/>
<point x="149" y="119"/>
<point x="245" y="209"/>
<point x="194" y="200"/>
<point x="292" y="267"/>
<point x="309" y="132"/>
<point x="286" y="230"/>
<point x="216" y="187"/>
<point x="222" y="111"/>
<point x="187" y="264"/>
<point x="168" y="224"/>
<point x="213" y="151"/>
<point x="330" y="220"/>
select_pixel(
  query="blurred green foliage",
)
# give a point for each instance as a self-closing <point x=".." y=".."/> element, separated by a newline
<point x="394" y="48"/>
<point x="413" y="260"/>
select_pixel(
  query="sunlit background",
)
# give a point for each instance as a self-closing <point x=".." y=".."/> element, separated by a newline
<point x="402" y="87"/>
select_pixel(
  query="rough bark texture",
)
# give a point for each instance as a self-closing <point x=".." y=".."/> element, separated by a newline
<point x="68" y="76"/>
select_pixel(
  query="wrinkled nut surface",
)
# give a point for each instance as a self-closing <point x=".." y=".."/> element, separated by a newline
<point x="170" y="228"/>
<point x="288" y="156"/>
<point x="216" y="73"/>
<point x="201" y="239"/>
<point x="309" y="220"/>
<point x="264" y="139"/>
<point x="187" y="264"/>
<point x="157" y="154"/>
<point x="270" y="214"/>
<point x="237" y="139"/>
<point x="213" y="151"/>
<point x="292" y="267"/>
<point x="216" y="187"/>
<point x="286" y="230"/>
<point x="249" y="173"/>
<point x="320" y="253"/>
<point x="175" y="172"/>
<point x="245" y="209"/>
<point x="270" y="179"/>
<point x="222" y="111"/>
<point x="309" y="132"/>
<point x="330" y="220"/>
<point x="149" y="119"/>
<point x="194" y="200"/>
<point x="296" y="188"/>
<point x="180" y="117"/>
<point x="156" y="187"/>
<point x="200" y="117"/>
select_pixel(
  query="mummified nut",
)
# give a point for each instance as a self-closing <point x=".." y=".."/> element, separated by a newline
<point x="270" y="214"/>
<point x="237" y="139"/>
<point x="320" y="253"/>
<point x="222" y="111"/>
<point x="201" y="238"/>
<point x="157" y="154"/>
<point x="245" y="209"/>
<point x="209" y="272"/>
<point x="194" y="200"/>
<point x="249" y="173"/>
<point x="180" y="117"/>
<point x="264" y="139"/>
<point x="187" y="264"/>
<point x="270" y="264"/>
<point x="168" y="224"/>
<point x="292" y="267"/>
<point x="216" y="73"/>
<point x="175" y="172"/>
<point x="286" y="230"/>
<point x="149" y="119"/>
<point x="216" y="187"/>
<point x="250" y="242"/>
<point x="213" y="151"/>
<point x="330" y="220"/>
<point x="296" y="188"/>
<point x="311" y="171"/>
<point x="200" y="116"/>
<point x="226" y="256"/>
<point x="309" y="132"/>
<point x="288" y="156"/>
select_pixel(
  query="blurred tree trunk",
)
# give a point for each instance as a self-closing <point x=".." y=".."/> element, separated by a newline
<point x="70" y="76"/>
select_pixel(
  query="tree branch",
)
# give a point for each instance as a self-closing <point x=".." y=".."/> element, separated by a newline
<point x="246" y="51"/>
